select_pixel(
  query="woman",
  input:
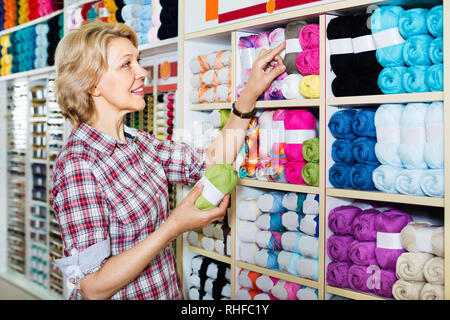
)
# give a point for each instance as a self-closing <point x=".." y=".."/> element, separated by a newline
<point x="110" y="182"/>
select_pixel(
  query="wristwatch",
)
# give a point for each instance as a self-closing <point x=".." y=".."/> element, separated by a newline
<point x="241" y="115"/>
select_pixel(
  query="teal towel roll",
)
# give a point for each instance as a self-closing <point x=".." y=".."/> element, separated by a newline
<point x="414" y="79"/>
<point x="413" y="22"/>
<point x="408" y="182"/>
<point x="432" y="183"/>
<point x="436" y="52"/>
<point x="390" y="80"/>
<point x="435" y="21"/>
<point x="384" y="178"/>
<point x="434" y="78"/>
<point x="416" y="50"/>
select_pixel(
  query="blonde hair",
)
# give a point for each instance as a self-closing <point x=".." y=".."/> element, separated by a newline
<point x="80" y="60"/>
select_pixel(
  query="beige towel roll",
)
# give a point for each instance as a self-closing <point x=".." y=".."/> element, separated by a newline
<point x="410" y="265"/>
<point x="407" y="290"/>
<point x="432" y="292"/>
<point x="420" y="236"/>
<point x="433" y="270"/>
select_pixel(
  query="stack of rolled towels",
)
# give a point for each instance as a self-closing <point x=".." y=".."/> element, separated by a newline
<point x="364" y="247"/>
<point x="420" y="270"/>
<point x="410" y="148"/>
<point x="211" y="80"/>
<point x="301" y="58"/>
<point x="279" y="231"/>
<point x="214" y="238"/>
<point x="353" y="151"/>
<point x="256" y="286"/>
<point x="209" y="279"/>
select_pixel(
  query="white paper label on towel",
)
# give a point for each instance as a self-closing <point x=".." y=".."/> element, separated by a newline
<point x="210" y="192"/>
<point x="423" y="239"/>
<point x="387" y="38"/>
<point x="341" y="46"/>
<point x="389" y="241"/>
<point x="247" y="57"/>
<point x="363" y="44"/>
<point x="277" y="132"/>
<point x="293" y="46"/>
<point x="298" y="136"/>
<point x="412" y="135"/>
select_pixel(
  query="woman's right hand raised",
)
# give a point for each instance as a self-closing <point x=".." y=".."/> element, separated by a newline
<point x="186" y="216"/>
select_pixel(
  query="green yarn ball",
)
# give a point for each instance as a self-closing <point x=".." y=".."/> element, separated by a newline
<point x="310" y="150"/>
<point x="310" y="174"/>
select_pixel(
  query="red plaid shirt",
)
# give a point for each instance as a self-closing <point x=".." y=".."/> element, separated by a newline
<point x="107" y="189"/>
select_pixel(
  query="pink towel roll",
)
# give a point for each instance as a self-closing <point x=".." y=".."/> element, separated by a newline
<point x="362" y="253"/>
<point x="300" y="125"/>
<point x="309" y="36"/>
<point x="307" y="62"/>
<point x="337" y="274"/>
<point x="340" y="219"/>
<point x="293" y="172"/>
<point x="363" y="225"/>
<point x="338" y="247"/>
<point x="278" y="133"/>
<point x="357" y="278"/>
<point x="388" y="225"/>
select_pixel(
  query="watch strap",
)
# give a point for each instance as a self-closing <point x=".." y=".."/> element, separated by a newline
<point x="241" y="115"/>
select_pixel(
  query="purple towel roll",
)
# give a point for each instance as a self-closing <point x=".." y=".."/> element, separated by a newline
<point x="388" y="225"/>
<point x="338" y="247"/>
<point x="387" y="279"/>
<point x="340" y="219"/>
<point x="357" y="278"/>
<point x="363" y="225"/>
<point x="362" y="253"/>
<point x="337" y="274"/>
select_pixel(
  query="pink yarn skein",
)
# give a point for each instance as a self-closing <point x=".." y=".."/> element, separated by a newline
<point x="307" y="62"/>
<point x="309" y="36"/>
<point x="300" y="125"/>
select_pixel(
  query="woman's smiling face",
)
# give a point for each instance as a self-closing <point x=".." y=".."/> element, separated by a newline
<point x="122" y="85"/>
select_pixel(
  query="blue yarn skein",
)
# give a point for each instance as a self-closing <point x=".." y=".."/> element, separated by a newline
<point x="303" y="227"/>
<point x="434" y="77"/>
<point x="416" y="50"/>
<point x="413" y="22"/>
<point x="414" y="79"/>
<point x="436" y="51"/>
<point x="363" y="150"/>
<point x="341" y="151"/>
<point x="340" y="124"/>
<point x="339" y="175"/>
<point x="361" y="176"/>
<point x="435" y="21"/>
<point x="363" y="124"/>
<point x="390" y="80"/>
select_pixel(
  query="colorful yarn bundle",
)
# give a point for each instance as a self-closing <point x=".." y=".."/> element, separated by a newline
<point x="164" y="119"/>
<point x="10" y="15"/>
<point x="6" y="56"/>
<point x="310" y="171"/>
<point x="23" y="45"/>
<point x="353" y="151"/>
<point x="138" y="18"/>
<point x="307" y="61"/>
<point x="410" y="148"/>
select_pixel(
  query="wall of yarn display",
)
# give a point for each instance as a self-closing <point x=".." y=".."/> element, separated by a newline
<point x="391" y="50"/>
<point x="395" y="148"/>
<point x="14" y="13"/>
<point x="208" y="279"/>
<point x="281" y="145"/>
<point x="142" y="120"/>
<point x="31" y="47"/>
<point x="393" y="251"/>
<point x="256" y="286"/>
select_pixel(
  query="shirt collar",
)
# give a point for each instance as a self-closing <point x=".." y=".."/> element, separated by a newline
<point x="100" y="141"/>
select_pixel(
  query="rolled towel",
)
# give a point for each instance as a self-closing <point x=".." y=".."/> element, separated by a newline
<point x="306" y="293"/>
<point x="337" y="274"/>
<point x="266" y="259"/>
<point x="413" y="22"/>
<point x="410" y="266"/>
<point x="339" y="175"/>
<point x="290" y="220"/>
<point x="310" y="174"/>
<point x="338" y="247"/>
<point x="195" y="238"/>
<point x="414" y="79"/>
<point x="434" y="77"/>
<point x="208" y="243"/>
<point x="340" y="219"/>
<point x="361" y="176"/>
<point x="218" y="180"/>
<point x="310" y="150"/>
<point x="309" y="86"/>
<point x="362" y="253"/>
<point x="363" y="225"/>
<point x="286" y="290"/>
<point x="293" y="47"/>
<point x="247" y="278"/>
<point x="197" y="262"/>
<point x="308" y="224"/>
<point x="432" y="292"/>
<point x="433" y="270"/>
<point x="340" y="44"/>
<point x="270" y="222"/>
<point x="301" y="243"/>
<point x="271" y="202"/>
<point x="287" y="261"/>
<point x="387" y="123"/>
<point x="384" y="178"/>
<point x="390" y="80"/>
<point x="413" y="136"/>
<point x="384" y="282"/>
<point x="247" y="230"/>
<point x="293" y="172"/>
<point x="386" y="35"/>
<point x="311" y="204"/>
<point x="436" y="51"/>
<point x="358" y="278"/>
<point x="290" y="85"/>
<point x="407" y="290"/>
<point x="268" y="240"/>
<point x="341" y="151"/>
<point x="300" y="125"/>
<point x="247" y="252"/>
<point x="435" y="21"/>
<point x="363" y="151"/>
<point x="266" y="283"/>
<point x="421" y="236"/>
<point x="432" y="182"/>
<point x="408" y="181"/>
<point x="340" y="124"/>
<point x="247" y="209"/>
<point x="416" y="50"/>
<point x="208" y="230"/>
<point x="308" y="268"/>
<point x="220" y="230"/>
<point x="307" y="61"/>
<point x="293" y="201"/>
<point x="247" y="294"/>
<point x="389" y="224"/>
<point x="194" y="280"/>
